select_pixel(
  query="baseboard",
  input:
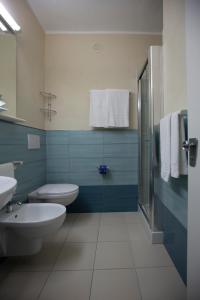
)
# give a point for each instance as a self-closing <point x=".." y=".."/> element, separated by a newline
<point x="156" y="237"/>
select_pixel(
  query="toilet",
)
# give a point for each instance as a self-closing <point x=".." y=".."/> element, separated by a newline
<point x="63" y="194"/>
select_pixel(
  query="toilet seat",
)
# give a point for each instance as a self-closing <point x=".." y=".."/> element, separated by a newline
<point x="49" y="191"/>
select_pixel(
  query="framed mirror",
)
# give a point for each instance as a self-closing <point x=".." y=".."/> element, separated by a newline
<point x="7" y="73"/>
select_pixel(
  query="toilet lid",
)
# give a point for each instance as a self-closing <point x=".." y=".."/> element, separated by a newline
<point x="57" y="189"/>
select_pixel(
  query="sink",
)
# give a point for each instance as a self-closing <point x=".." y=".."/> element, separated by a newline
<point x="7" y="189"/>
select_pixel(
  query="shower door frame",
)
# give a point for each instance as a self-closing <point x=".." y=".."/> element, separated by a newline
<point x="156" y="108"/>
<point x="150" y="216"/>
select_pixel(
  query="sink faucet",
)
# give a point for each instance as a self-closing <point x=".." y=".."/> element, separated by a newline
<point x="9" y="206"/>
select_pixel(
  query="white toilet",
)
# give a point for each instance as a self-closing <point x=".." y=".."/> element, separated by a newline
<point x="24" y="226"/>
<point x="63" y="194"/>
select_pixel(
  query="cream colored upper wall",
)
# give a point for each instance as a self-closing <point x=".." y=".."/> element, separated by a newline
<point x="73" y="67"/>
<point x="174" y="55"/>
<point x="30" y="63"/>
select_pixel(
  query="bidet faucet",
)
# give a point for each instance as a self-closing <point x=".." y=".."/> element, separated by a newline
<point x="9" y="206"/>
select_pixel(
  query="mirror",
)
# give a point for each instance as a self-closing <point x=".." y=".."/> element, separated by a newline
<point x="8" y="73"/>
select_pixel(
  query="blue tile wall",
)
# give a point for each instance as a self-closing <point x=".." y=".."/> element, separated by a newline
<point x="171" y="200"/>
<point x="175" y="238"/>
<point x="73" y="157"/>
<point x="171" y="217"/>
<point x="13" y="146"/>
<point x="106" y="199"/>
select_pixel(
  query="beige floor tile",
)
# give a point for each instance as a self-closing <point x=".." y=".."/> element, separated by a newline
<point x="161" y="283"/>
<point x="137" y="232"/>
<point x="86" y="233"/>
<point x="43" y="261"/>
<point x="113" y="232"/>
<point x="115" y="285"/>
<point x="22" y="285"/>
<point x="112" y="218"/>
<point x="70" y="285"/>
<point x="87" y="219"/>
<point x="111" y="255"/>
<point x="150" y="255"/>
<point x="76" y="256"/>
<point x="120" y="218"/>
<point x="133" y="217"/>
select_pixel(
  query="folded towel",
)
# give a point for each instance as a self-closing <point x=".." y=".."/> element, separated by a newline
<point x="165" y="146"/>
<point x="175" y="144"/>
<point x="118" y="108"/>
<point x="7" y="169"/>
<point x="98" y="108"/>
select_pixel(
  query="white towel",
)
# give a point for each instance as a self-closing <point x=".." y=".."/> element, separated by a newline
<point x="118" y="108"/>
<point x="98" y="108"/>
<point x="165" y="146"/>
<point x="7" y="169"/>
<point x="178" y="156"/>
<point x="183" y="162"/>
<point x="175" y="144"/>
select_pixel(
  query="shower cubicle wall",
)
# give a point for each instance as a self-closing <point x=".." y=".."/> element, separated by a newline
<point x="150" y="111"/>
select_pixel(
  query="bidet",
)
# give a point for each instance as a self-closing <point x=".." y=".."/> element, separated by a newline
<point x="26" y="226"/>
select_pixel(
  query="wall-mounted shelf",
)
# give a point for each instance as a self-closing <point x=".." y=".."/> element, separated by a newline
<point x="48" y="95"/>
<point x="11" y="119"/>
<point x="47" y="110"/>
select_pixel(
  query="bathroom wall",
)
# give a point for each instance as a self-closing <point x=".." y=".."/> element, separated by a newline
<point x="30" y="63"/>
<point x="171" y="198"/>
<point x="77" y="63"/>
<point x="13" y="146"/>
<point x="74" y="156"/>
<point x="174" y="55"/>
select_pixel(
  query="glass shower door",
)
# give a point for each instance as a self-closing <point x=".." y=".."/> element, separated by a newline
<point x="145" y="142"/>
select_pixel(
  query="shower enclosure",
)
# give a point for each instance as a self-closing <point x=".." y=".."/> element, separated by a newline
<point x="150" y="111"/>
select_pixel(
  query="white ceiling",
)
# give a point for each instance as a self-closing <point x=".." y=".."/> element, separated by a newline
<point x="98" y="15"/>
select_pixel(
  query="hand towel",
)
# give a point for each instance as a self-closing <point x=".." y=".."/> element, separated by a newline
<point x="98" y="108"/>
<point x="175" y="144"/>
<point x="178" y="156"/>
<point x="118" y="108"/>
<point x="7" y="169"/>
<point x="165" y="146"/>
<point x="183" y="162"/>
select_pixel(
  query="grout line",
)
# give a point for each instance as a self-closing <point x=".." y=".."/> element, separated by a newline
<point x="98" y="269"/>
<point x="155" y="267"/>
<point x="138" y="283"/>
<point x="53" y="265"/>
<point x="42" y="288"/>
<point x="95" y="256"/>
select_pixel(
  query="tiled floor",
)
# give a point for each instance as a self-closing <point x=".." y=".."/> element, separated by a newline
<point x="94" y="257"/>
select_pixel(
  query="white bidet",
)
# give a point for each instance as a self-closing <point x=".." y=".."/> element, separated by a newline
<point x="25" y="227"/>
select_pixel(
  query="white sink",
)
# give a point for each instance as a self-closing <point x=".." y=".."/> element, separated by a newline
<point x="7" y="189"/>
